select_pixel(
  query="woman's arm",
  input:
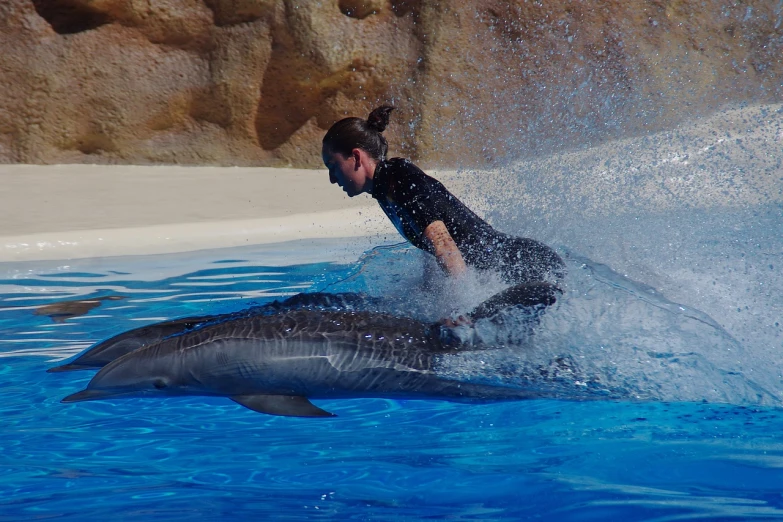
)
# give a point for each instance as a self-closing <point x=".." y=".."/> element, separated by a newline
<point x="445" y="249"/>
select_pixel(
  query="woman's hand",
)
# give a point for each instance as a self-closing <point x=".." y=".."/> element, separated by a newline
<point x="445" y="249"/>
<point x="461" y="320"/>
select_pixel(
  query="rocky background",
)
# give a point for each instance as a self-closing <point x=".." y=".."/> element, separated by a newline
<point x="257" y="82"/>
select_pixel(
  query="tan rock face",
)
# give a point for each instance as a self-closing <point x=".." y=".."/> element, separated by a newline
<point x="257" y="82"/>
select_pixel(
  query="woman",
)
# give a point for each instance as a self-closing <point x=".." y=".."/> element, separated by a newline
<point x="423" y="211"/>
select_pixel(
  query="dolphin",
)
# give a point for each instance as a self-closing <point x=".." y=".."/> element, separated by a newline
<point x="104" y="352"/>
<point x="527" y="295"/>
<point x="276" y="363"/>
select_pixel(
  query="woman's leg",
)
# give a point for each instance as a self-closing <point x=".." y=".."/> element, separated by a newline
<point x="524" y="260"/>
<point x="529" y="295"/>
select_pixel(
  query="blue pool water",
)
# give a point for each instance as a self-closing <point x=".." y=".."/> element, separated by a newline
<point x="660" y="454"/>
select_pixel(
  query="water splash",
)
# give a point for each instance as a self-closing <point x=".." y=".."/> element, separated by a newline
<point x="610" y="337"/>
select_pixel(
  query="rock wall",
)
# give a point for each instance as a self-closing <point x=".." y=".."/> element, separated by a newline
<point x="257" y="82"/>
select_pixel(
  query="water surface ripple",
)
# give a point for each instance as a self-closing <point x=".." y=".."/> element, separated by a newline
<point x="208" y="458"/>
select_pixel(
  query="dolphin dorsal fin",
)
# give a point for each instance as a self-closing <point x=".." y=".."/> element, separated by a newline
<point x="285" y="405"/>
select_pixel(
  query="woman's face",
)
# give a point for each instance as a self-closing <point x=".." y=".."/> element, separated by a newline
<point x="350" y="173"/>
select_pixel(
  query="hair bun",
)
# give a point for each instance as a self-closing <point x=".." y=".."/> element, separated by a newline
<point x="379" y="118"/>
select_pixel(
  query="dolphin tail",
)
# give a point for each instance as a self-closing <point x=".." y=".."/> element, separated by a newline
<point x="285" y="405"/>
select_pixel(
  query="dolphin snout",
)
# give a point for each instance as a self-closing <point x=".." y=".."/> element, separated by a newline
<point x="90" y="395"/>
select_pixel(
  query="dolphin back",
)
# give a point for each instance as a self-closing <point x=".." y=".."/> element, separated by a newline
<point x="104" y="352"/>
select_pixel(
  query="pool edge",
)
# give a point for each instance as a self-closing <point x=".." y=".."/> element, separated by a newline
<point x="187" y="237"/>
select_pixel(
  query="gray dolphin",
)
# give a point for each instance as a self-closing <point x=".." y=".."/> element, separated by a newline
<point x="275" y="363"/>
<point x="104" y="352"/>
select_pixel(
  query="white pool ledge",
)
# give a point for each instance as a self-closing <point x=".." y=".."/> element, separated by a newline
<point x="185" y="237"/>
<point x="82" y="211"/>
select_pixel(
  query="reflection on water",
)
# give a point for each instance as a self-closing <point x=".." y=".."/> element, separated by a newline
<point x="34" y="306"/>
<point x="61" y="310"/>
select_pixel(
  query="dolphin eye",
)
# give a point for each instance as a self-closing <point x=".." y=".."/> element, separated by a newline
<point x="159" y="384"/>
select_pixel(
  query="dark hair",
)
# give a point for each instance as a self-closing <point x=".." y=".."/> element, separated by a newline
<point x="356" y="133"/>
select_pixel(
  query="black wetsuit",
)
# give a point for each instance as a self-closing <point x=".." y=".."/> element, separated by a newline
<point x="413" y="200"/>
